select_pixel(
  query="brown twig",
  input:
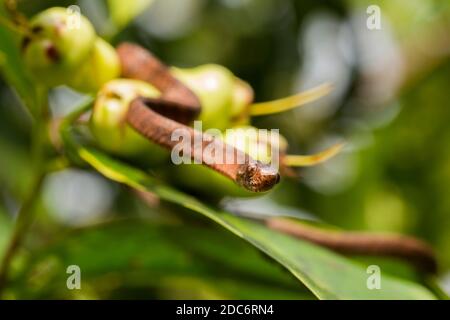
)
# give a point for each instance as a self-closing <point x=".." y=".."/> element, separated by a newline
<point x="406" y="248"/>
<point x="16" y="16"/>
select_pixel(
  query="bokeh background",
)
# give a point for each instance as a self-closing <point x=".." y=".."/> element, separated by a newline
<point x="390" y="103"/>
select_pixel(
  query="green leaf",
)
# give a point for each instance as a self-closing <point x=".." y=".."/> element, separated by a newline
<point x="327" y="274"/>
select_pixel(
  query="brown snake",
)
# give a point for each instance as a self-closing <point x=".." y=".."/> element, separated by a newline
<point x="252" y="175"/>
<point x="157" y="119"/>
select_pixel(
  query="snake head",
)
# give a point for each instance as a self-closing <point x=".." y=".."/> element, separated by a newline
<point x="256" y="176"/>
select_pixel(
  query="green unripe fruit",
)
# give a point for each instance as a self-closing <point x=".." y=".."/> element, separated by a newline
<point x="202" y="180"/>
<point x="213" y="84"/>
<point x="101" y="66"/>
<point x="57" y="45"/>
<point x="256" y="143"/>
<point x="109" y="126"/>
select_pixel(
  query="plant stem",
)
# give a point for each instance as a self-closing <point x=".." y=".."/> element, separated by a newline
<point x="24" y="219"/>
<point x="25" y="215"/>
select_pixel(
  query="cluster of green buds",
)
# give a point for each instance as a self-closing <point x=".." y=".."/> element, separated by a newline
<point x="58" y="51"/>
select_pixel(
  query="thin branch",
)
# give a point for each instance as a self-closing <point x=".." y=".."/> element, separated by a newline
<point x="25" y="216"/>
<point x="406" y="248"/>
